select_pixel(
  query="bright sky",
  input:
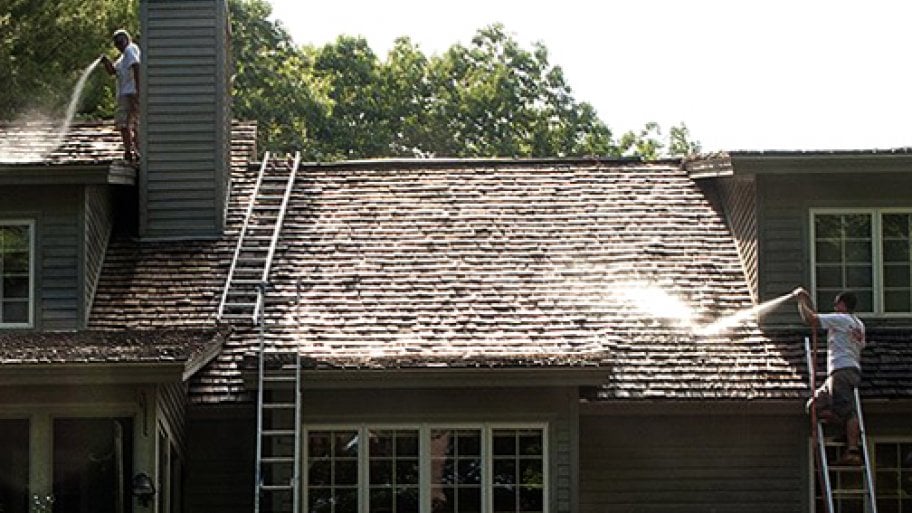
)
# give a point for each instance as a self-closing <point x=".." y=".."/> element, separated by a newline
<point x="742" y="74"/>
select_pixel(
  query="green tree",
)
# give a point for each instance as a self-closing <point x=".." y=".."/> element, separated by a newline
<point x="273" y="83"/>
<point x="45" y="45"/>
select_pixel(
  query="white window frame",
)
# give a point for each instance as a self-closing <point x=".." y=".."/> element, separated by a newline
<point x="30" y="223"/>
<point x="877" y="262"/>
<point x="424" y="438"/>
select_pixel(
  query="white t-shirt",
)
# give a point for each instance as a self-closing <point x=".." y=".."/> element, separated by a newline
<point x="845" y="340"/>
<point x="129" y="57"/>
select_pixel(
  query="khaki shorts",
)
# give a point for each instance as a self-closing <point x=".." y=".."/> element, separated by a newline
<point x="127" y="111"/>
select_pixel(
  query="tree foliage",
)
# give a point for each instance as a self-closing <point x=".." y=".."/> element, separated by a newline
<point x="491" y="97"/>
<point x="44" y="46"/>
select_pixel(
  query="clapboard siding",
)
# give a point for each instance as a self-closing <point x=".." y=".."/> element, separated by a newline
<point x="172" y="403"/>
<point x="59" y="279"/>
<point x="97" y="233"/>
<point x="186" y="122"/>
<point x="738" y="197"/>
<point x="784" y="204"/>
<point x="682" y="463"/>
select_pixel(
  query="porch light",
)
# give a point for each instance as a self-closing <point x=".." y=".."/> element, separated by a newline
<point x="143" y="489"/>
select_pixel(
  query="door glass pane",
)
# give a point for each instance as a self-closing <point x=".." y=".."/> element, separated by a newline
<point x="14" y="466"/>
<point x="92" y="464"/>
<point x="456" y="470"/>
<point x="393" y="476"/>
<point x="518" y="466"/>
<point x="332" y="471"/>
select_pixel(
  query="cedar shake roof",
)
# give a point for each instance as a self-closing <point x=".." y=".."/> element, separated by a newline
<point x="482" y="264"/>
<point x="477" y="264"/>
<point x="159" y="346"/>
<point x="85" y="143"/>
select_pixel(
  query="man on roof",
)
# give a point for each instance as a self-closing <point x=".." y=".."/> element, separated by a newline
<point x="835" y="399"/>
<point x="126" y="67"/>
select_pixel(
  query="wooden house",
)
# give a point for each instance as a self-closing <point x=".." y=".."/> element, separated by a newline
<point x="488" y="335"/>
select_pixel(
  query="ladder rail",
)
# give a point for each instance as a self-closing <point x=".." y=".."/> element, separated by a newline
<point x="261" y="367"/>
<point x="869" y="480"/>
<point x="243" y="232"/>
<point x="817" y="435"/>
<point x="296" y="471"/>
<point x="289" y="186"/>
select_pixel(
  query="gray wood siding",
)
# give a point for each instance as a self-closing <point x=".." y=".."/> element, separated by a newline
<point x="186" y="121"/>
<point x="683" y="464"/>
<point x="57" y="213"/>
<point x="97" y="232"/>
<point x="784" y="203"/>
<point x="172" y="403"/>
<point x="738" y="197"/>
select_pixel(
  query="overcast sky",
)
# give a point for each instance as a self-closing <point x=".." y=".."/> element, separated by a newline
<point x="743" y="74"/>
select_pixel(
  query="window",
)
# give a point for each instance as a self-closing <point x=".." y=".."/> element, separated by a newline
<point x="92" y="465"/>
<point x="866" y="251"/>
<point x="892" y="469"/>
<point x="16" y="274"/>
<point x="893" y="474"/>
<point x="426" y="469"/>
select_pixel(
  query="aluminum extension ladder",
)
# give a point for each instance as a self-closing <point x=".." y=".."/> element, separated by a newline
<point x="278" y="447"/>
<point x="258" y="239"/>
<point x="840" y="481"/>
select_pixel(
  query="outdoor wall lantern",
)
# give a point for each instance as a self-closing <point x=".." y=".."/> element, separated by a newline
<point x="143" y="489"/>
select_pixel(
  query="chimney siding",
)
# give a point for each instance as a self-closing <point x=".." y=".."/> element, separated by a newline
<point x="186" y="124"/>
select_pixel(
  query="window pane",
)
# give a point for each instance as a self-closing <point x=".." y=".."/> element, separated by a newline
<point x="530" y="472"/>
<point x="381" y="501"/>
<point x="14" y="312"/>
<point x="857" y="225"/>
<point x="320" y="473"/>
<point x="381" y="444"/>
<point x="896" y="251"/>
<point x="858" y="251"/>
<point x="442" y="500"/>
<point x="381" y="472"/>
<point x="407" y="472"/>
<point x="896" y="225"/>
<point x="531" y="500"/>
<point x="319" y="500"/>
<point x="504" y="471"/>
<point x="469" y="500"/>
<point x="504" y="500"/>
<point x="346" y="472"/>
<point x="504" y="445"/>
<point x="15" y="287"/>
<point x="865" y="301"/>
<point x="828" y="226"/>
<point x="346" y="501"/>
<point x="897" y="275"/>
<point x="407" y="444"/>
<point x="530" y="444"/>
<point x="15" y="262"/>
<point x="829" y="250"/>
<point x="858" y="276"/>
<point x="829" y="277"/>
<point x="345" y="444"/>
<point x="408" y="501"/>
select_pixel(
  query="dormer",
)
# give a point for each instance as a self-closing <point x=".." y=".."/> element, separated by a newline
<point x="186" y="122"/>
<point x="825" y="220"/>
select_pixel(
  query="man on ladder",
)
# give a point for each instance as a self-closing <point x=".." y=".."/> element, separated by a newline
<point x="835" y="399"/>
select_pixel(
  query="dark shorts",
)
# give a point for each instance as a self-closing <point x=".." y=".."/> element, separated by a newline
<point x="837" y="394"/>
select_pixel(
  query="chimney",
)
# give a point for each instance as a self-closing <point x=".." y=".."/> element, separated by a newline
<point x="185" y="132"/>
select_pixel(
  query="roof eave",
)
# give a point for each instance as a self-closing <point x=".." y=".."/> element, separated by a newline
<point x="91" y="373"/>
<point x="104" y="173"/>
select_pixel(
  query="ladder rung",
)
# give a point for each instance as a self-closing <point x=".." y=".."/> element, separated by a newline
<point x="280" y="379"/>
<point x="279" y="406"/>
<point x="276" y="488"/>
<point x="277" y="460"/>
<point x="278" y="432"/>
<point x="850" y="492"/>
<point x="240" y="305"/>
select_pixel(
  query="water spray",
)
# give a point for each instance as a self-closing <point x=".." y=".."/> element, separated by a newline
<point x="42" y="144"/>
<point x="732" y="320"/>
